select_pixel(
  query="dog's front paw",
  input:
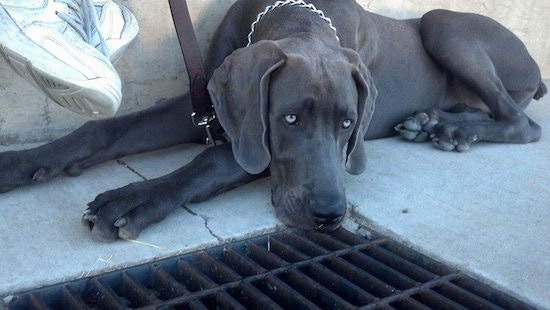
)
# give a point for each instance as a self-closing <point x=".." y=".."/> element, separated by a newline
<point x="418" y="127"/>
<point x="123" y="213"/>
<point x="18" y="168"/>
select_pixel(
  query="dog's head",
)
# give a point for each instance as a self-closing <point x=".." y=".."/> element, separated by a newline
<point x="301" y="113"/>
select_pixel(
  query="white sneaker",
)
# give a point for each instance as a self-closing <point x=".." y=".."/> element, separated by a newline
<point x="117" y="25"/>
<point x="56" y="45"/>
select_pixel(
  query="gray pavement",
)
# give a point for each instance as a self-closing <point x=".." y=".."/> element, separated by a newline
<point x="485" y="211"/>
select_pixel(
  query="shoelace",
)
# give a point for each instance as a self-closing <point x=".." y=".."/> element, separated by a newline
<point x="83" y="19"/>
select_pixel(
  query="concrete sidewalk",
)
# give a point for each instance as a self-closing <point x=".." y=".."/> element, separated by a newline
<point x="485" y="211"/>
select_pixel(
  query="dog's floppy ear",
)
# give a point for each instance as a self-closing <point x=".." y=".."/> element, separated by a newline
<point x="356" y="161"/>
<point x="239" y="89"/>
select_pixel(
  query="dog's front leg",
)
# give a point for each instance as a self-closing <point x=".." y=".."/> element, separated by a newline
<point x="160" y="126"/>
<point x="125" y="212"/>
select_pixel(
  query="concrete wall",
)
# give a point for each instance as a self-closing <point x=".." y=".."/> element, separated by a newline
<point x="153" y="68"/>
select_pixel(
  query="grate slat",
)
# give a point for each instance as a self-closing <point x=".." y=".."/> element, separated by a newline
<point x="304" y="244"/>
<point x="339" y="285"/>
<point x="225" y="301"/>
<point x="194" y="279"/>
<point x="285" y="253"/>
<point x="401" y="264"/>
<point x="263" y="257"/>
<point x="300" y="282"/>
<point x="333" y="244"/>
<point x="242" y="264"/>
<point x="194" y="305"/>
<point x="36" y="302"/>
<point x="166" y="285"/>
<point x="371" y="284"/>
<point x="272" y="287"/>
<point x="216" y="270"/>
<point x="198" y="281"/>
<point x="72" y="300"/>
<point x="285" y="295"/>
<point x="134" y="291"/>
<point x="490" y="297"/>
<point x="401" y="295"/>
<point x="356" y="281"/>
<point x="291" y="269"/>
<point x="407" y="303"/>
<point x="381" y="271"/>
<point x="417" y="258"/>
<point x="314" y="291"/>
<point x="436" y="301"/>
<point x="465" y="298"/>
<point x="251" y="297"/>
<point x="106" y="297"/>
<point x="318" y="272"/>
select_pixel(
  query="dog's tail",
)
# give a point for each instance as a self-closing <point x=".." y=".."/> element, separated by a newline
<point x="541" y="91"/>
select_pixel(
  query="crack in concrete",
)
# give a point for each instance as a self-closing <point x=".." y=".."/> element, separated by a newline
<point x="204" y="217"/>
<point x="123" y="163"/>
<point x="206" y="225"/>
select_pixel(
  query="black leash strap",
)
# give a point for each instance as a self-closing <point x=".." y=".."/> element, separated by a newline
<point x="203" y="111"/>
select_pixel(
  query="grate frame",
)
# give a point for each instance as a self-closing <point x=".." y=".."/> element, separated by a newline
<point x="287" y="269"/>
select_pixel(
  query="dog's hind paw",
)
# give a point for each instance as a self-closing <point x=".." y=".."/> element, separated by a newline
<point x="418" y="127"/>
<point x="454" y="137"/>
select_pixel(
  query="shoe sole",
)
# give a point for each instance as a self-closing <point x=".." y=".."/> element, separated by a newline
<point x="98" y="97"/>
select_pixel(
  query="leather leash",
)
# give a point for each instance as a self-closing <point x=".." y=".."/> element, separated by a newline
<point x="203" y="111"/>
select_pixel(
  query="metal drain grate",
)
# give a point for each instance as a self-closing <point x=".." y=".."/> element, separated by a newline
<point x="289" y="269"/>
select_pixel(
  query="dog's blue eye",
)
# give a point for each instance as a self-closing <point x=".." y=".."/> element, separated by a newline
<point x="347" y="123"/>
<point x="291" y="119"/>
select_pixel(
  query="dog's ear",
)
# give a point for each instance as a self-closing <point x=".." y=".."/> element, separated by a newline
<point x="239" y="89"/>
<point x="356" y="161"/>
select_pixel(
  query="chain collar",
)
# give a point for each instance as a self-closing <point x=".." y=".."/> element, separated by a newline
<point x="299" y="3"/>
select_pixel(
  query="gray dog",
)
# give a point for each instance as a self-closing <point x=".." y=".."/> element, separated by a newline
<point x="295" y="87"/>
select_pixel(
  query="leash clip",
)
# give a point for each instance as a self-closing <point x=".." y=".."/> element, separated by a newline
<point x="206" y="123"/>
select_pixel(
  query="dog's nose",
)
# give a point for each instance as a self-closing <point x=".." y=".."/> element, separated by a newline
<point x="328" y="212"/>
<point x="327" y="223"/>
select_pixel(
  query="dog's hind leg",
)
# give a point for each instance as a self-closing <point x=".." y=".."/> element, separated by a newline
<point x="160" y="126"/>
<point x="494" y="64"/>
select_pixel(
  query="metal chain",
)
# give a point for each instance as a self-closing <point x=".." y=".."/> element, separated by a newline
<point x="299" y="3"/>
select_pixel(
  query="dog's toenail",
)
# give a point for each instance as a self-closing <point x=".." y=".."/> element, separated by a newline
<point x="121" y="222"/>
